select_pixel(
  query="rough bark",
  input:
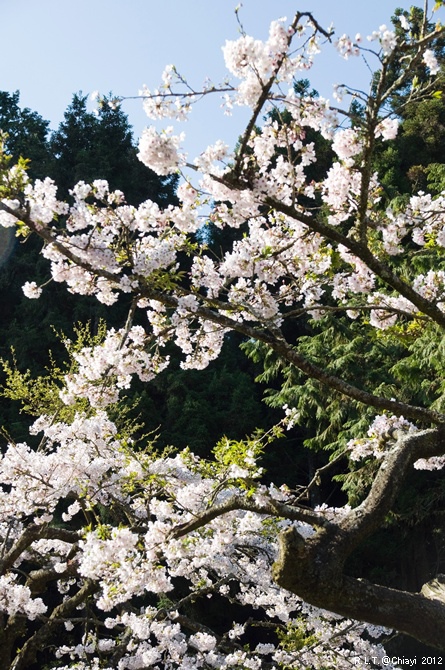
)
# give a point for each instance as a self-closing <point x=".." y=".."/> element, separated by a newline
<point x="313" y="568"/>
<point x="27" y="654"/>
<point x="309" y="568"/>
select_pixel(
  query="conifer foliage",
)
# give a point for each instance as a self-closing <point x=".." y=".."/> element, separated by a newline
<point x="128" y="551"/>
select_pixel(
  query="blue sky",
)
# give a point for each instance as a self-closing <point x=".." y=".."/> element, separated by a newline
<point x="57" y="47"/>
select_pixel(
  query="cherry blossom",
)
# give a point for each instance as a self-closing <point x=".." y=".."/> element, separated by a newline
<point x="129" y="539"/>
<point x="346" y="47"/>
<point x="346" y="144"/>
<point x="31" y="290"/>
<point x="387" y="129"/>
<point x="159" y="151"/>
<point x="386" y="37"/>
<point x="430" y="61"/>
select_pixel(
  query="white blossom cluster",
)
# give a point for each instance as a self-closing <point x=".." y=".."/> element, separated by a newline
<point x="348" y="47"/>
<point x="84" y="467"/>
<point x="382" y="433"/>
<point x="387" y="39"/>
<point x="159" y="151"/>
<point x="255" y="62"/>
<point x="16" y="598"/>
<point x="93" y="510"/>
<point x="118" y="358"/>
<point x="430" y="61"/>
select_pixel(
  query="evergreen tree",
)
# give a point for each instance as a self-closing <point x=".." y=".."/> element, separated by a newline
<point x="86" y="147"/>
<point x="27" y="134"/>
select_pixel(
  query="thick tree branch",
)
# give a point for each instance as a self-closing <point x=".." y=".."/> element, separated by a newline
<point x="313" y="568"/>
<point x="362" y="252"/>
<point x="27" y="654"/>
<point x="273" y="337"/>
<point x="268" y="507"/>
<point x="38" y="579"/>
<point x="282" y="348"/>
<point x="309" y="569"/>
<point x="31" y="534"/>
<point x="365" y="519"/>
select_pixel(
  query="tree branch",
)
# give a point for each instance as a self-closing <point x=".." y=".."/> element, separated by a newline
<point x="27" y="654"/>
<point x="266" y="88"/>
<point x="313" y="568"/>
<point x="269" y="507"/>
<point x="31" y="534"/>
<point x="309" y="569"/>
<point x="274" y="338"/>
<point x="365" y="519"/>
<point x="364" y="254"/>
